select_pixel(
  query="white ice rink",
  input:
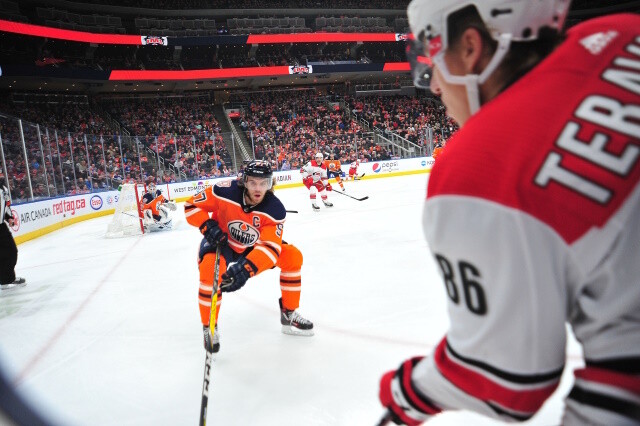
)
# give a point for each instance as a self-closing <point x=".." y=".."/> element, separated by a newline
<point x="107" y="332"/>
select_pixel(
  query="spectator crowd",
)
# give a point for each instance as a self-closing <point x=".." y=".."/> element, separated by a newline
<point x="80" y="145"/>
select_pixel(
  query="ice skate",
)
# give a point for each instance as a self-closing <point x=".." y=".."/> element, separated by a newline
<point x="18" y="282"/>
<point x="293" y="323"/>
<point x="315" y="207"/>
<point x="327" y="203"/>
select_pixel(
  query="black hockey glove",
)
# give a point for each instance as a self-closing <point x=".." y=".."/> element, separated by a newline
<point x="405" y="403"/>
<point x="212" y="232"/>
<point x="237" y="275"/>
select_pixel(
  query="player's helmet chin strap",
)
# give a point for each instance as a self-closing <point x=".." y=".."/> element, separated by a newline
<point x="245" y="206"/>
<point x="473" y="81"/>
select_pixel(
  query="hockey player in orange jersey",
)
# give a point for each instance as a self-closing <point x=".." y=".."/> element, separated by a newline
<point x="437" y="150"/>
<point x="334" y="169"/>
<point x="246" y="219"/>
<point x="156" y="209"/>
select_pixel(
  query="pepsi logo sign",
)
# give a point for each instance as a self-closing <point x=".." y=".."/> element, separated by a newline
<point x="376" y="168"/>
<point x="96" y="202"/>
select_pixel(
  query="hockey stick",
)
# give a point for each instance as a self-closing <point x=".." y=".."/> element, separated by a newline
<point x="291" y="211"/>
<point x="385" y="420"/>
<point x="350" y="196"/>
<point x="129" y="214"/>
<point x="208" y="362"/>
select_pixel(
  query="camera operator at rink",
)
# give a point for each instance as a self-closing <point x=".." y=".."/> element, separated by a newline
<point x="8" y="248"/>
<point x="246" y="219"/>
<point x="156" y="209"/>
<point x="532" y="213"/>
<point x="315" y="178"/>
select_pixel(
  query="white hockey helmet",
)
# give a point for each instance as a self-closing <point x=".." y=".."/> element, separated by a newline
<point x="319" y="156"/>
<point x="506" y="21"/>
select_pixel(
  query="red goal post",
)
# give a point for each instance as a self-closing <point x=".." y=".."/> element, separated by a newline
<point x="128" y="217"/>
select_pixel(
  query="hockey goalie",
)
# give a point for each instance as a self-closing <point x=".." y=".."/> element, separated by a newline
<point x="155" y="210"/>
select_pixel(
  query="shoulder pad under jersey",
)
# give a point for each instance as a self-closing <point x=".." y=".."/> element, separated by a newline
<point x="272" y="206"/>
<point x="228" y="189"/>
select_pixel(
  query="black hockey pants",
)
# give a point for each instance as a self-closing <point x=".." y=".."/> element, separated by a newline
<point x="8" y="255"/>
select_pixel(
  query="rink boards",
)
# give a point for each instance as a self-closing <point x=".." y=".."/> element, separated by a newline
<point x="41" y="217"/>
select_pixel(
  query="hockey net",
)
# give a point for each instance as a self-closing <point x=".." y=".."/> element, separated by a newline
<point x="128" y="218"/>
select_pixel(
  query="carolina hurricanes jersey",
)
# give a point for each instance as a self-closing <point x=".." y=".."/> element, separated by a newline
<point x="257" y="231"/>
<point x="317" y="171"/>
<point x="354" y="165"/>
<point x="533" y="216"/>
<point x="152" y="203"/>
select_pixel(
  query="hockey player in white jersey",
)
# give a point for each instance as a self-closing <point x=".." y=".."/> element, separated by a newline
<point x="353" y="171"/>
<point x="532" y="213"/>
<point x="314" y="177"/>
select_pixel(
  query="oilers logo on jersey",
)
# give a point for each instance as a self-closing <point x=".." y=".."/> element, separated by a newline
<point x="243" y="233"/>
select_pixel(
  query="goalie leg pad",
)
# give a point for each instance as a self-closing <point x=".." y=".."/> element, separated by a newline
<point x="163" y="210"/>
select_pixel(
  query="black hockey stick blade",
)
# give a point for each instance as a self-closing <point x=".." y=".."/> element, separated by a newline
<point x="291" y="211"/>
<point x="351" y="196"/>
<point x="385" y="420"/>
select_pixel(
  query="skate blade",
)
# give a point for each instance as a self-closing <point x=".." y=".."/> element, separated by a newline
<point x="287" y="329"/>
<point x="12" y="286"/>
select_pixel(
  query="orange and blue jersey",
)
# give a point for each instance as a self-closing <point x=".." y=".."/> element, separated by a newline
<point x="150" y="203"/>
<point x="255" y="232"/>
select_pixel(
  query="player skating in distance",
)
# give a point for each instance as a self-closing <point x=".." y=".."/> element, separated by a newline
<point x="314" y="177"/>
<point x="353" y="170"/>
<point x="334" y="168"/>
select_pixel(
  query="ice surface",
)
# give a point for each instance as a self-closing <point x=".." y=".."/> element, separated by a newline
<point x="107" y="331"/>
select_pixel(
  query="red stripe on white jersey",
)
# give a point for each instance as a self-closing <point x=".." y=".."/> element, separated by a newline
<point x="606" y="377"/>
<point x="524" y="400"/>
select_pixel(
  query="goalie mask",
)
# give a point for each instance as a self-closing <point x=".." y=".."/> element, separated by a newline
<point x="506" y="21"/>
<point x="151" y="188"/>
